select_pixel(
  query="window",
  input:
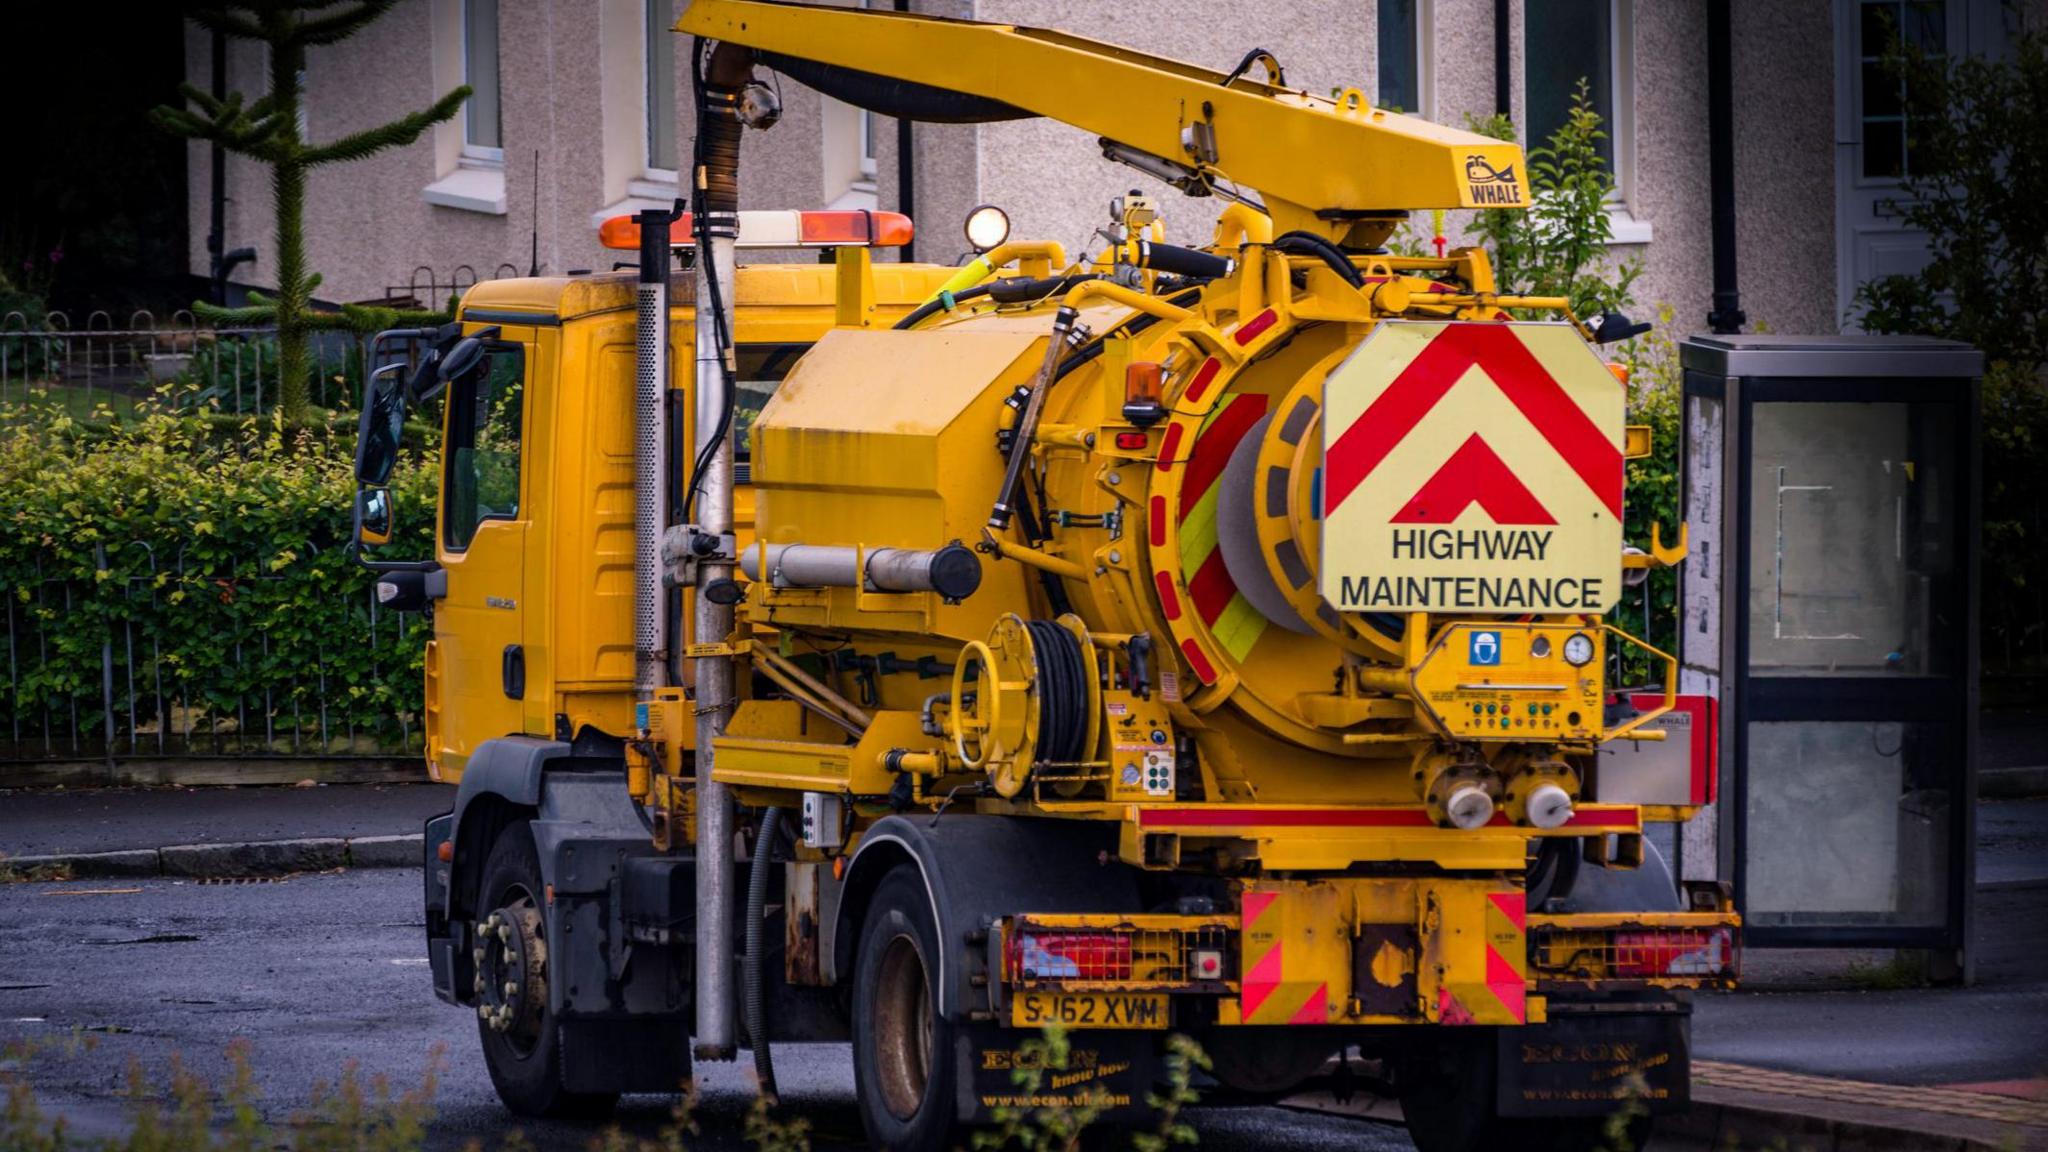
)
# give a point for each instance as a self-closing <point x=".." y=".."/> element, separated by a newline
<point x="1567" y="42"/>
<point x="1916" y="26"/>
<point x="1400" y="56"/>
<point x="484" y="125"/>
<point x="482" y="447"/>
<point x="759" y="369"/>
<point x="1570" y="41"/>
<point x="661" y="87"/>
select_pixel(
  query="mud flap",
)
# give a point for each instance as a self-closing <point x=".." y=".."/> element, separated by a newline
<point x="636" y="1054"/>
<point x="1594" y="1063"/>
<point x="1109" y="1070"/>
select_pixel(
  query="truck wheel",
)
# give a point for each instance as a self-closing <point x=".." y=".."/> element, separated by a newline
<point x="522" y="1047"/>
<point x="903" y="1066"/>
<point x="1447" y="1086"/>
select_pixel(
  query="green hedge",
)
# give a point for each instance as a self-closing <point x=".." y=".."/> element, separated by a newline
<point x="213" y="559"/>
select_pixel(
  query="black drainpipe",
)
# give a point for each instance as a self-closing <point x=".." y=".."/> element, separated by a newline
<point x="1726" y="316"/>
<point x="1503" y="54"/>
<point x="906" y="171"/>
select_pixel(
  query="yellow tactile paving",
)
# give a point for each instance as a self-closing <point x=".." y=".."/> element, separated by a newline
<point x="1919" y="1098"/>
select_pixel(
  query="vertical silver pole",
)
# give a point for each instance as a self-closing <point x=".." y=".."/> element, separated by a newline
<point x="716" y="1035"/>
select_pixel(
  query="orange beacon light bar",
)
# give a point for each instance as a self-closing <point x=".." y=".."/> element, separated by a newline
<point x="781" y="229"/>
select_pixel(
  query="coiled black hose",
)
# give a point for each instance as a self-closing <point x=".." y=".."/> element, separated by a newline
<point x="756" y="1005"/>
<point x="1062" y="692"/>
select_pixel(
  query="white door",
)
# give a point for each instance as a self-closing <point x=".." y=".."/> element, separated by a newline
<point x="1872" y="155"/>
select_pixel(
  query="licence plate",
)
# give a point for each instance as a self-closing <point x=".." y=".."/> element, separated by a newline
<point x="1088" y="1009"/>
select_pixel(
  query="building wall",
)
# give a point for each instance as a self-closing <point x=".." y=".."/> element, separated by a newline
<point x="569" y="76"/>
<point x="1784" y="65"/>
<point x="368" y="225"/>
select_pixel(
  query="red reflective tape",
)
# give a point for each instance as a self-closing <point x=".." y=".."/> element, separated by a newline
<point x="1506" y="985"/>
<point x="1448" y="1010"/>
<point x="1156" y="521"/>
<point x="1255" y="905"/>
<point x="1204" y="671"/>
<point x="1317" y="1010"/>
<point x="1250" y="329"/>
<point x="1474" y="474"/>
<point x="1218" y="439"/>
<point x="1169" y="601"/>
<point x="1284" y="818"/>
<point x="1168" y="445"/>
<point x="1211" y="589"/>
<point x="1560" y="420"/>
<point x="1347" y="817"/>
<point x="1203" y="375"/>
<point x="1514" y="906"/>
<point x="1260" y="982"/>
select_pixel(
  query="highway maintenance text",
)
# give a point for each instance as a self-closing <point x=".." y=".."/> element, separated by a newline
<point x="1436" y="593"/>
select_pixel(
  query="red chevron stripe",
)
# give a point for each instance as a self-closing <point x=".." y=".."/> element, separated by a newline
<point x="1499" y="351"/>
<point x="1213" y="446"/>
<point x="1474" y="475"/>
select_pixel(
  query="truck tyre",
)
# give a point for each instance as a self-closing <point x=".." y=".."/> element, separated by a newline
<point x="904" y="1070"/>
<point x="1447" y="1085"/>
<point x="522" y="1047"/>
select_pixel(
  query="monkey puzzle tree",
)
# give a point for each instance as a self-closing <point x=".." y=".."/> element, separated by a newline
<point x="267" y="130"/>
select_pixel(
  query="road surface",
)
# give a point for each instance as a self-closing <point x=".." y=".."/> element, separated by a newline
<point x="316" y="971"/>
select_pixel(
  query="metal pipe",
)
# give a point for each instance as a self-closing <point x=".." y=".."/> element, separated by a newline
<point x="953" y="571"/>
<point x="1727" y="317"/>
<point x="801" y="696"/>
<point x="718" y="132"/>
<point x="813" y="685"/>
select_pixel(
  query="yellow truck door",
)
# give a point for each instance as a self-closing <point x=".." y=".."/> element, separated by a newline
<point x="479" y="654"/>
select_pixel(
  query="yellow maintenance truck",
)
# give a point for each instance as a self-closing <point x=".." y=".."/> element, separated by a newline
<point x="1201" y="638"/>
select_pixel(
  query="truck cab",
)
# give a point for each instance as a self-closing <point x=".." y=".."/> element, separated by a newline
<point x="531" y="593"/>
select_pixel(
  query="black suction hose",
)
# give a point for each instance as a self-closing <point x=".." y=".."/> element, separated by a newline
<point x="750" y="973"/>
<point x="1310" y="244"/>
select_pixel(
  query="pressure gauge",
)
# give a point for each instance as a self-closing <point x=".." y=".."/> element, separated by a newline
<point x="1578" y="651"/>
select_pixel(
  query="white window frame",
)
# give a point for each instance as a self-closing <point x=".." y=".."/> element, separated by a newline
<point x="469" y="178"/>
<point x="1425" y="61"/>
<point x="652" y="173"/>
<point x="1626" y="226"/>
<point x="481" y="155"/>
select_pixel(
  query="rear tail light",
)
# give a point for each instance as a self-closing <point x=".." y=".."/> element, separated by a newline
<point x="1068" y="956"/>
<point x="1674" y="952"/>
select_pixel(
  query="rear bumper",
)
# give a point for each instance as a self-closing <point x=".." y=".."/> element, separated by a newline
<point x="1364" y="951"/>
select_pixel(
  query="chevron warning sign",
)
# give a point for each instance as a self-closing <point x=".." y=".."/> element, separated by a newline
<point x="1472" y="467"/>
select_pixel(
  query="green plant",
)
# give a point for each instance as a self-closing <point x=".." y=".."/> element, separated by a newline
<point x="180" y="1115"/>
<point x="1558" y="246"/>
<point x="12" y="873"/>
<point x="267" y="130"/>
<point x="1039" y="1127"/>
<point x="1655" y="398"/>
<point x="217" y="560"/>
<point x="1183" y="1057"/>
<point x="1978" y="153"/>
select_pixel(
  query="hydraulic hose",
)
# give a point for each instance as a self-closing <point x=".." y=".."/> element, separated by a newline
<point x="757" y="906"/>
<point x="1190" y="262"/>
<point x="1310" y="244"/>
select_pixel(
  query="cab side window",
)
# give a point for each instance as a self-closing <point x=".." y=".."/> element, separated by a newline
<point x="760" y="368"/>
<point x="482" y="449"/>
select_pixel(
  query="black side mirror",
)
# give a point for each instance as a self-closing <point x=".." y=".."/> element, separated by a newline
<point x="382" y="425"/>
<point x="373" y="516"/>
<point x="466" y="355"/>
<point x="403" y="591"/>
<point x="1615" y="326"/>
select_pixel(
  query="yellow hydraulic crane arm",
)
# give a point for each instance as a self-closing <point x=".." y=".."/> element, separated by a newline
<point x="1316" y="163"/>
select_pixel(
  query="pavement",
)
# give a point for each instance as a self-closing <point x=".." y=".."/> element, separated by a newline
<point x="37" y="822"/>
<point x="323" y="966"/>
